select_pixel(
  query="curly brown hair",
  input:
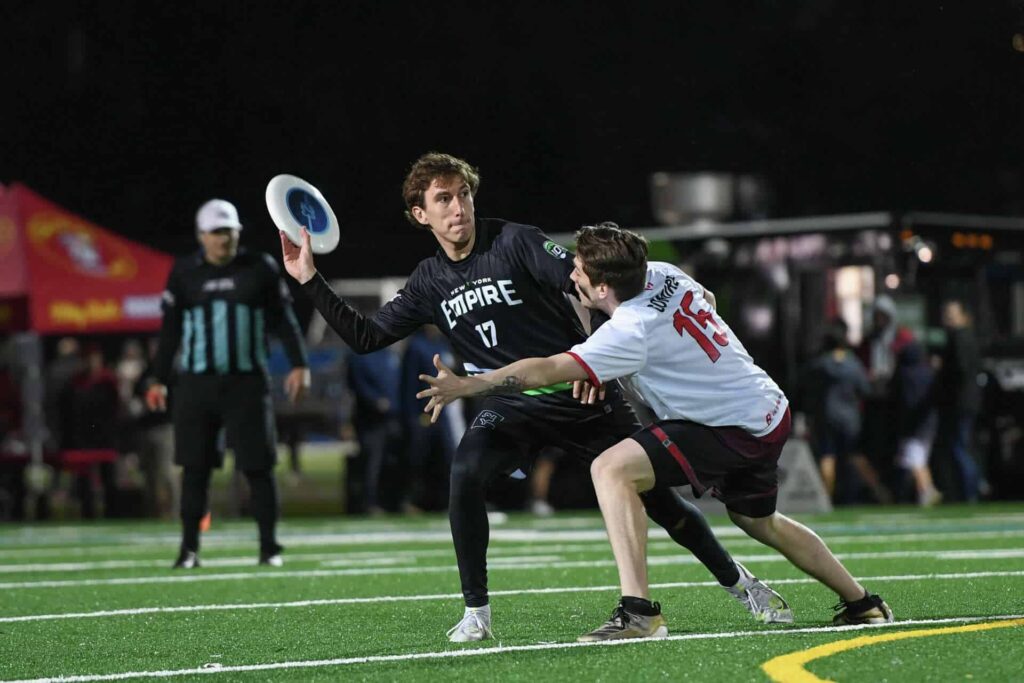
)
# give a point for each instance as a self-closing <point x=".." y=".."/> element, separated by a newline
<point x="425" y="170"/>
<point x="614" y="257"/>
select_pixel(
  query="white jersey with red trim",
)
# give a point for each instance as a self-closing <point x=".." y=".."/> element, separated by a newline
<point x="669" y="346"/>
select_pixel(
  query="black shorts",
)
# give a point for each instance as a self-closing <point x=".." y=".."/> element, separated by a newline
<point x="508" y="432"/>
<point x="731" y="464"/>
<point x="240" y="405"/>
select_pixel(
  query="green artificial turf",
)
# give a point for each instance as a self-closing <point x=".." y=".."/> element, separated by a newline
<point x="99" y="599"/>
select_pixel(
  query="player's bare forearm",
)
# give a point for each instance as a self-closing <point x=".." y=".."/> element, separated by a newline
<point x="529" y="373"/>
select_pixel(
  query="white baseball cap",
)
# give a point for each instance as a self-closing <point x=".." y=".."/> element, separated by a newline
<point x="217" y="213"/>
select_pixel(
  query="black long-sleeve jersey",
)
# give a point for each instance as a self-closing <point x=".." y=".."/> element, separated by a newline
<point x="219" y="316"/>
<point x="503" y="302"/>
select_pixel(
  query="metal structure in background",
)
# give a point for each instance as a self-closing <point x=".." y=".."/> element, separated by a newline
<point x="778" y="282"/>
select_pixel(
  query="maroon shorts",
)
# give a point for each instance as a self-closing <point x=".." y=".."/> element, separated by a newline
<point x="731" y="464"/>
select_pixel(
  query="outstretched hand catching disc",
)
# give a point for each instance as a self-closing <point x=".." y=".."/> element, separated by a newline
<point x="294" y="203"/>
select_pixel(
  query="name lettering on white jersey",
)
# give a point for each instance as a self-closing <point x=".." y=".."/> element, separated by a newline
<point x="478" y="294"/>
<point x="660" y="300"/>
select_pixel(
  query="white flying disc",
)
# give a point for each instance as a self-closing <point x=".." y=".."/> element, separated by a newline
<point x="293" y="203"/>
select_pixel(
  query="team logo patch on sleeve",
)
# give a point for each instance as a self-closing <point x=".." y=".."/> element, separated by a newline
<point x="555" y="250"/>
<point x="487" y="419"/>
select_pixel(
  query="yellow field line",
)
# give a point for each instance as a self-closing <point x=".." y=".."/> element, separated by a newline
<point x="790" y="668"/>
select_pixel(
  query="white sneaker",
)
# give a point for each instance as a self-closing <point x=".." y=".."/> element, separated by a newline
<point x="761" y="601"/>
<point x="541" y="508"/>
<point x="475" y="625"/>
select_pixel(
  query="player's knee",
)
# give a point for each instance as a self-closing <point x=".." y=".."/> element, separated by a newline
<point x="756" y="527"/>
<point x="607" y="468"/>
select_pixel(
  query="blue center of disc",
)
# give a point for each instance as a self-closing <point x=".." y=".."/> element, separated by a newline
<point x="307" y="210"/>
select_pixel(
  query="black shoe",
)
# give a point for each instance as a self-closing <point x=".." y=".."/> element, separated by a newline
<point x="870" y="609"/>
<point x="187" y="559"/>
<point x="271" y="557"/>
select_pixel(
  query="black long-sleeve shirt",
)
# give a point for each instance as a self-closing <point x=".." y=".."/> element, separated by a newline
<point x="505" y="301"/>
<point x="219" y="317"/>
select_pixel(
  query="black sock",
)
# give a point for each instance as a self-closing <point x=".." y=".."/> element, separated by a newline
<point x="264" y="502"/>
<point x="195" y="483"/>
<point x="864" y="602"/>
<point x="644" y="608"/>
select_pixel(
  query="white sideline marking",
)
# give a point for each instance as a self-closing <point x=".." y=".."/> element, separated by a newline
<point x="453" y="596"/>
<point x="339" y="559"/>
<point x="566" y="528"/>
<point x="500" y="649"/>
<point x="657" y="538"/>
<point x="334" y="559"/>
<point x="268" y="574"/>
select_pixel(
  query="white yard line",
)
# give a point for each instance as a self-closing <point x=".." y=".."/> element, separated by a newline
<point x="372" y="532"/>
<point x="378" y="599"/>
<point x="216" y="668"/>
<point x="368" y="557"/>
<point x="654" y="560"/>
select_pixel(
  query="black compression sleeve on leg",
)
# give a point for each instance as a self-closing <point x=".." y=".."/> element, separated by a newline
<point x="263" y="488"/>
<point x="195" y="485"/>
<point x="467" y="514"/>
<point x="688" y="527"/>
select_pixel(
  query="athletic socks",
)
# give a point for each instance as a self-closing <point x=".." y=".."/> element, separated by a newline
<point x="644" y="608"/>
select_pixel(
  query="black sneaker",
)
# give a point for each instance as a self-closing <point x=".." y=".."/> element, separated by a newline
<point x="870" y="609"/>
<point x="187" y="559"/>
<point x="624" y="624"/>
<point x="271" y="557"/>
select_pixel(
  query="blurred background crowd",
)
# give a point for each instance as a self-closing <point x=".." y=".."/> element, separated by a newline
<point x="909" y="394"/>
<point x="841" y="174"/>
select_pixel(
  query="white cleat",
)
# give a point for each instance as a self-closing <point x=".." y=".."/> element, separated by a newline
<point x="759" y="599"/>
<point x="475" y="625"/>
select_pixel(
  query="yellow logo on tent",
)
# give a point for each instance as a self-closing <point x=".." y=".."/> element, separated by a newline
<point x="84" y="314"/>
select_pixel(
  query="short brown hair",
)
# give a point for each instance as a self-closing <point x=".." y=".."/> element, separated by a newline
<point x="614" y="257"/>
<point x="425" y="170"/>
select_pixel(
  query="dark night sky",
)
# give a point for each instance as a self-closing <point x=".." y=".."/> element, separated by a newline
<point x="133" y="113"/>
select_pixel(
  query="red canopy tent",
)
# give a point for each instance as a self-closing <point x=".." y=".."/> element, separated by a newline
<point x="61" y="274"/>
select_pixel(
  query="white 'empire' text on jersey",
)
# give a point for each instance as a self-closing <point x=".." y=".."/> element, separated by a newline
<point x="669" y="346"/>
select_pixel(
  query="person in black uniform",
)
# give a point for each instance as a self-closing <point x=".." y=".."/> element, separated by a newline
<point x="218" y="306"/>
<point x="497" y="289"/>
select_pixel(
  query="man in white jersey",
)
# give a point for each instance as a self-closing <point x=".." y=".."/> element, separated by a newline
<point x="722" y="421"/>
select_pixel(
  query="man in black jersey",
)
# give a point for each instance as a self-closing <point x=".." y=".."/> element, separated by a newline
<point x="218" y="307"/>
<point x="498" y="289"/>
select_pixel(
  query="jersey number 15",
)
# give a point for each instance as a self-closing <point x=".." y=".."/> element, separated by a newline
<point x="696" y="323"/>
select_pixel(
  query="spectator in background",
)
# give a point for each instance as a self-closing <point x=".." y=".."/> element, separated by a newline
<point x="540" y="482"/>
<point x="914" y="415"/>
<point x="67" y="363"/>
<point x="876" y="352"/>
<point x="374" y="380"/>
<point x="90" y="403"/>
<point x="834" y="384"/>
<point x="426" y="443"/>
<point x="12" y="447"/>
<point x="958" y="398"/>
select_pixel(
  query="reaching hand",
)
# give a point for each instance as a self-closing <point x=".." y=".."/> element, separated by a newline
<point x="296" y="383"/>
<point x="156" y="398"/>
<point x="298" y="261"/>
<point x="586" y="392"/>
<point x="444" y="389"/>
